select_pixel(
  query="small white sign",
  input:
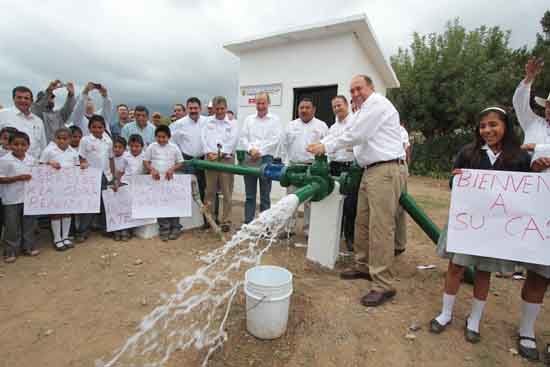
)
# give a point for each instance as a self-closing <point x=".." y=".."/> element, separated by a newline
<point x="62" y="191"/>
<point x="502" y="215"/>
<point x="161" y="199"/>
<point x="247" y="95"/>
<point x="118" y="210"/>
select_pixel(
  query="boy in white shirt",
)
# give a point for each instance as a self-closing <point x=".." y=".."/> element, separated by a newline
<point x="164" y="158"/>
<point x="5" y="134"/>
<point x="61" y="155"/>
<point x="96" y="150"/>
<point x="15" y="169"/>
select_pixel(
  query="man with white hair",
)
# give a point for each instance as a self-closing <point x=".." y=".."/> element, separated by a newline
<point x="260" y="136"/>
<point x="85" y="108"/>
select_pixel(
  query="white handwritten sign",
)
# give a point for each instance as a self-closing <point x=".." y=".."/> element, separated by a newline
<point x="162" y="198"/>
<point x="118" y="210"/>
<point x="64" y="191"/>
<point x="502" y="215"/>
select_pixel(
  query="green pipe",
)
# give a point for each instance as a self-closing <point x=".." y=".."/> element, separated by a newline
<point x="420" y="217"/>
<point x="306" y="192"/>
<point x="229" y="168"/>
<point x="428" y="226"/>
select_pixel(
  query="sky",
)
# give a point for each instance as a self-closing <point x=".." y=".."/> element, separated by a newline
<point x="158" y="53"/>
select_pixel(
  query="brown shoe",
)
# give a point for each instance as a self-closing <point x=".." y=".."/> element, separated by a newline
<point x="377" y="298"/>
<point x="355" y="274"/>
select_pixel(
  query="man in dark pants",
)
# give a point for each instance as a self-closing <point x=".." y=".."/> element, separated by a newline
<point x="186" y="134"/>
<point x="341" y="161"/>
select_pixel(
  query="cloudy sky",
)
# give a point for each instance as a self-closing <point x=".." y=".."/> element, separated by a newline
<point x="160" y="52"/>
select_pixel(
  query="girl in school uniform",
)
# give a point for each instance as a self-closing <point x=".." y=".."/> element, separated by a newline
<point x="59" y="154"/>
<point x="96" y="150"/>
<point x="496" y="147"/>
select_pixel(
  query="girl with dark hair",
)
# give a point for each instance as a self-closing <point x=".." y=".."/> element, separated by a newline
<point x="495" y="147"/>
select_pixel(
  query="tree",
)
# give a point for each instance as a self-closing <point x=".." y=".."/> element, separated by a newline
<point x="446" y="80"/>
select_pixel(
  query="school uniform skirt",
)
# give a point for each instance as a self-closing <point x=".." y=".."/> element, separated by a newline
<point x="487" y="264"/>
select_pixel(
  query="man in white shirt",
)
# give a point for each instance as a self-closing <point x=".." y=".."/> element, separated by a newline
<point x="537" y="131"/>
<point x="340" y="162"/>
<point x="300" y="133"/>
<point x="21" y="118"/>
<point x="260" y="136"/>
<point x="376" y="140"/>
<point x="219" y="138"/>
<point x="85" y="108"/>
<point x="187" y="135"/>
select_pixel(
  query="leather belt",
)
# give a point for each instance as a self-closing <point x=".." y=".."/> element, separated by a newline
<point x="189" y="157"/>
<point x="398" y="161"/>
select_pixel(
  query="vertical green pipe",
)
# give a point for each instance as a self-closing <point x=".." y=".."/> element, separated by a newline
<point x="428" y="226"/>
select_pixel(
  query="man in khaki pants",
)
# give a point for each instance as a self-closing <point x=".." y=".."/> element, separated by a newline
<point x="219" y="138"/>
<point x="375" y="136"/>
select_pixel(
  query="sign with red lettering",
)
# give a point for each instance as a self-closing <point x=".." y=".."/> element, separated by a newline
<point x="161" y="199"/>
<point x="62" y="191"/>
<point x="502" y="215"/>
<point x="118" y="210"/>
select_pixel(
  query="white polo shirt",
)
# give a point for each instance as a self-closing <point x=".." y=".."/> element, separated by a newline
<point x="97" y="152"/>
<point x="221" y="132"/>
<point x="10" y="166"/>
<point x="163" y="157"/>
<point x="262" y="133"/>
<point x="66" y="158"/>
<point x="187" y="135"/>
<point x="337" y="129"/>
<point x="298" y="135"/>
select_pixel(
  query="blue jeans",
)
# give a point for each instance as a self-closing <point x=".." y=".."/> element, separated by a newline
<point x="251" y="188"/>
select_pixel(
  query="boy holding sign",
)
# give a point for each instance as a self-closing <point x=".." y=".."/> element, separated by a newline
<point x="164" y="158"/>
<point x="61" y="155"/>
<point x="496" y="148"/>
<point x="14" y="171"/>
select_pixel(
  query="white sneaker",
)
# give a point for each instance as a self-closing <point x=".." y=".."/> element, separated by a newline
<point x="68" y="243"/>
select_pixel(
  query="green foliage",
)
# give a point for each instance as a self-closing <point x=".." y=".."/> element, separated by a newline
<point x="447" y="79"/>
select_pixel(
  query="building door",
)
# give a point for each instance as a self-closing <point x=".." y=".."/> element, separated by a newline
<point x="321" y="97"/>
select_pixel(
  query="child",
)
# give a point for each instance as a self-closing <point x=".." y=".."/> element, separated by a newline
<point x="120" y="161"/>
<point x="61" y="155"/>
<point x="164" y="158"/>
<point x="97" y="151"/>
<point x="14" y="171"/>
<point x="5" y="134"/>
<point x="496" y="147"/>
<point x="76" y="136"/>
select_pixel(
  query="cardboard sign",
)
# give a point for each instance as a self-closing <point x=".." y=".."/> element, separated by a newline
<point x="502" y="215"/>
<point x="62" y="191"/>
<point x="162" y="198"/>
<point x="118" y="210"/>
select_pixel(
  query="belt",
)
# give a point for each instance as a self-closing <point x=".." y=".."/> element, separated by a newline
<point x="398" y="161"/>
<point x="342" y="164"/>
<point x="189" y="157"/>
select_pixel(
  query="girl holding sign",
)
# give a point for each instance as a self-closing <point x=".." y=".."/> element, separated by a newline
<point x="61" y="155"/>
<point x="496" y="147"/>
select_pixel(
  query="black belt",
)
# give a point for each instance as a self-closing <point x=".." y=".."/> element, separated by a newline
<point x="398" y="161"/>
<point x="189" y="157"/>
<point x="342" y="164"/>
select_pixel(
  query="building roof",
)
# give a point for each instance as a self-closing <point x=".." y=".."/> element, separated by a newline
<point x="357" y="24"/>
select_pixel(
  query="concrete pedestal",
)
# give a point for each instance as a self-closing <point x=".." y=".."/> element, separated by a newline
<point x="324" y="229"/>
<point x="152" y="230"/>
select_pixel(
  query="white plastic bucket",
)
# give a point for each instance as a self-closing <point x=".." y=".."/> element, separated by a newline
<point x="268" y="290"/>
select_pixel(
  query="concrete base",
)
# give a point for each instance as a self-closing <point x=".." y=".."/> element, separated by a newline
<point x="323" y="244"/>
<point x="152" y="230"/>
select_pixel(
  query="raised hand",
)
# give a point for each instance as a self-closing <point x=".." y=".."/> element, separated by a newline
<point x="55" y="84"/>
<point x="533" y="68"/>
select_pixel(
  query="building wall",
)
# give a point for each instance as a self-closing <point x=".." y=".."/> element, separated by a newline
<point x="316" y="62"/>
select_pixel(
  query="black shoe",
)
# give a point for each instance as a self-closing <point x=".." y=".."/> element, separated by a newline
<point x="531" y="354"/>
<point x="226" y="227"/>
<point x="398" y="252"/>
<point x="174" y="235"/>
<point x="437" y="328"/>
<point x="164" y="237"/>
<point x="470" y="335"/>
<point x="117" y="236"/>
<point x="125" y="238"/>
<point x="60" y="246"/>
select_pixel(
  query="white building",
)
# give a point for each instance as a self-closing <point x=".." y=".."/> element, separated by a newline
<point x="316" y="61"/>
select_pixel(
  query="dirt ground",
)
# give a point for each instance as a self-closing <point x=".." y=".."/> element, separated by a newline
<point x="69" y="309"/>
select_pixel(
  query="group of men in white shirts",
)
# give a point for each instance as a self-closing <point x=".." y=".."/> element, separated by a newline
<point x="371" y="136"/>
